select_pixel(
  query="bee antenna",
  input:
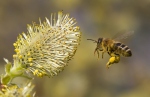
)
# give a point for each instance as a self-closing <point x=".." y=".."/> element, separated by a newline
<point x="92" y="40"/>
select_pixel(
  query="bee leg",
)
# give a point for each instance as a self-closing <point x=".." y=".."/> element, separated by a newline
<point x="102" y="54"/>
<point x="117" y="59"/>
<point x="112" y="60"/>
<point x="109" y="53"/>
<point x="98" y="54"/>
<point x="96" y="50"/>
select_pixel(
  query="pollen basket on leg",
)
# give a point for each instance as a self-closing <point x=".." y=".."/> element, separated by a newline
<point x="47" y="47"/>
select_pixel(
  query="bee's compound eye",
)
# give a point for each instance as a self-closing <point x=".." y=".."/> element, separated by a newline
<point x="99" y="40"/>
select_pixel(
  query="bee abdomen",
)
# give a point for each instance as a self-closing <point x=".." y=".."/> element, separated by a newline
<point x="127" y="52"/>
<point x="123" y="50"/>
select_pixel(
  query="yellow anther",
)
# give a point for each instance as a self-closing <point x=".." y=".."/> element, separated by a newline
<point x="3" y="90"/>
<point x="78" y="27"/>
<point x="35" y="72"/>
<point x="20" y="57"/>
<point x="31" y="64"/>
<point x="20" y="36"/>
<point x="17" y="50"/>
<point x="15" y="44"/>
<point x="5" y="86"/>
<point x="40" y="75"/>
<point x="28" y="54"/>
<point x="30" y="59"/>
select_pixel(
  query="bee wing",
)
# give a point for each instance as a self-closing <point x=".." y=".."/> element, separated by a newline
<point x="123" y="35"/>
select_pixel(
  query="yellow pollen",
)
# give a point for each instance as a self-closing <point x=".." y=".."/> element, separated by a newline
<point x="5" y="86"/>
<point x="40" y="75"/>
<point x="35" y="72"/>
<point x="20" y="57"/>
<point x="112" y="59"/>
<point x="30" y="59"/>
<point x="31" y="64"/>
<point x="76" y="29"/>
<point x="15" y="44"/>
<point x="3" y="90"/>
<point x="17" y="50"/>
<point x="28" y="54"/>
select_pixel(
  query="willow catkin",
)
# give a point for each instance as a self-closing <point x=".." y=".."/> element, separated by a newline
<point x="47" y="47"/>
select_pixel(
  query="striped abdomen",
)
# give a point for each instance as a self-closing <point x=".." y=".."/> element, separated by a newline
<point x="122" y="49"/>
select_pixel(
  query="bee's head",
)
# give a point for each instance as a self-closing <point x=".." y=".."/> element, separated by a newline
<point x="99" y="41"/>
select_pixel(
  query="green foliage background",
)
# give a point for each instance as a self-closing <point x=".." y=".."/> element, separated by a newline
<point x="85" y="76"/>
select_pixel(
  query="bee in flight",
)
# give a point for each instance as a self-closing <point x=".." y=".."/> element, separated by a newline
<point x="114" y="48"/>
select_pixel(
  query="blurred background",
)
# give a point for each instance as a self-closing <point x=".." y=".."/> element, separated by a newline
<point x="85" y="75"/>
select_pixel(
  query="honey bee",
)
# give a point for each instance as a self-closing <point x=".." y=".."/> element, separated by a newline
<point x="113" y="47"/>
